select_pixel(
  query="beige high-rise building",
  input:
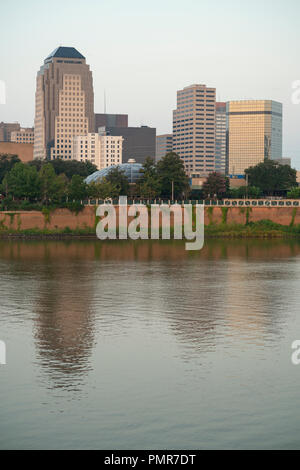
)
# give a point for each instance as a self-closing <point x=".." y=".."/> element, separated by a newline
<point x="254" y="133"/>
<point x="101" y="150"/>
<point x="64" y="103"/>
<point x="194" y="129"/>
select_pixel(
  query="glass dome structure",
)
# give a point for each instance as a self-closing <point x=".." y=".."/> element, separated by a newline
<point x="131" y="170"/>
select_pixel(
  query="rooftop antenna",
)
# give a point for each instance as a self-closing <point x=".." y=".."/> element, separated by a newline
<point x="104" y="101"/>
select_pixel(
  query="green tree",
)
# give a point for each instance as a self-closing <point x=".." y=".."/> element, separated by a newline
<point x="77" y="190"/>
<point x="149" y="186"/>
<point x="215" y="185"/>
<point x="251" y="192"/>
<point x="50" y="184"/>
<point x="119" y="180"/>
<point x="170" y="169"/>
<point x="6" y="164"/>
<point x="67" y="167"/>
<point x="37" y="164"/>
<point x="22" y="182"/>
<point x="102" y="190"/>
<point x="62" y="187"/>
<point x="73" y="167"/>
<point x="294" y="193"/>
<point x="271" y="177"/>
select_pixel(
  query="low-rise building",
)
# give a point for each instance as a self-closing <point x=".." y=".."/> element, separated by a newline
<point x="100" y="149"/>
<point x="6" y="129"/>
<point x="23" y="151"/>
<point x="139" y="142"/>
<point x="284" y="161"/>
<point x="23" y="136"/>
<point x="110" y="120"/>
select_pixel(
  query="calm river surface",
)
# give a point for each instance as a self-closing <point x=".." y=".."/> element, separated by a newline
<point x="144" y="345"/>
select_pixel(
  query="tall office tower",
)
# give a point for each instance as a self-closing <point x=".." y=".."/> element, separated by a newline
<point x="139" y="142"/>
<point x="221" y="133"/>
<point x="194" y="129"/>
<point x="101" y="150"/>
<point x="64" y="103"/>
<point x="6" y="129"/>
<point x="164" y="145"/>
<point x="111" y="120"/>
<point x="254" y="133"/>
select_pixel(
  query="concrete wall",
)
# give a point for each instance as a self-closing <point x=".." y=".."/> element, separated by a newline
<point x="62" y="218"/>
<point x="238" y="215"/>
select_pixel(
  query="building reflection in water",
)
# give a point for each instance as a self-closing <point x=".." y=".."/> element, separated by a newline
<point x="65" y="323"/>
<point x="87" y="290"/>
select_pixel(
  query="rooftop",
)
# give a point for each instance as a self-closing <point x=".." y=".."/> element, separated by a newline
<point x="66" y="53"/>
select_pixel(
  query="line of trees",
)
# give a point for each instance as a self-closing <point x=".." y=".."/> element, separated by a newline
<point x="62" y="183"/>
<point x="37" y="183"/>
<point x="265" y="179"/>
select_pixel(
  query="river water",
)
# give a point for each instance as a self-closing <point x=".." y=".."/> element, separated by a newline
<point x="143" y="345"/>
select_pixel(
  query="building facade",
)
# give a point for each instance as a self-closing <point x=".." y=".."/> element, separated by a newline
<point x="64" y="103"/>
<point x="23" y="151"/>
<point x="6" y="130"/>
<point x="194" y="129"/>
<point x="110" y="120"/>
<point x="101" y="150"/>
<point x="139" y="142"/>
<point x="221" y="138"/>
<point x="23" y="136"/>
<point x="254" y="133"/>
<point x="164" y="145"/>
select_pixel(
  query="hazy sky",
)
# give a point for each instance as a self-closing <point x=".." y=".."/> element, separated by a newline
<point x="142" y="52"/>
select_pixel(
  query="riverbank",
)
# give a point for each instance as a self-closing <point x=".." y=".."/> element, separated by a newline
<point x="220" y="222"/>
<point x="261" y="229"/>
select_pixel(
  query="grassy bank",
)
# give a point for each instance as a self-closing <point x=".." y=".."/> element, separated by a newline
<point x="45" y="233"/>
<point x="261" y="229"/>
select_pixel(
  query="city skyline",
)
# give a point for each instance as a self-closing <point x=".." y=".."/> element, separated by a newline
<point x="141" y="56"/>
